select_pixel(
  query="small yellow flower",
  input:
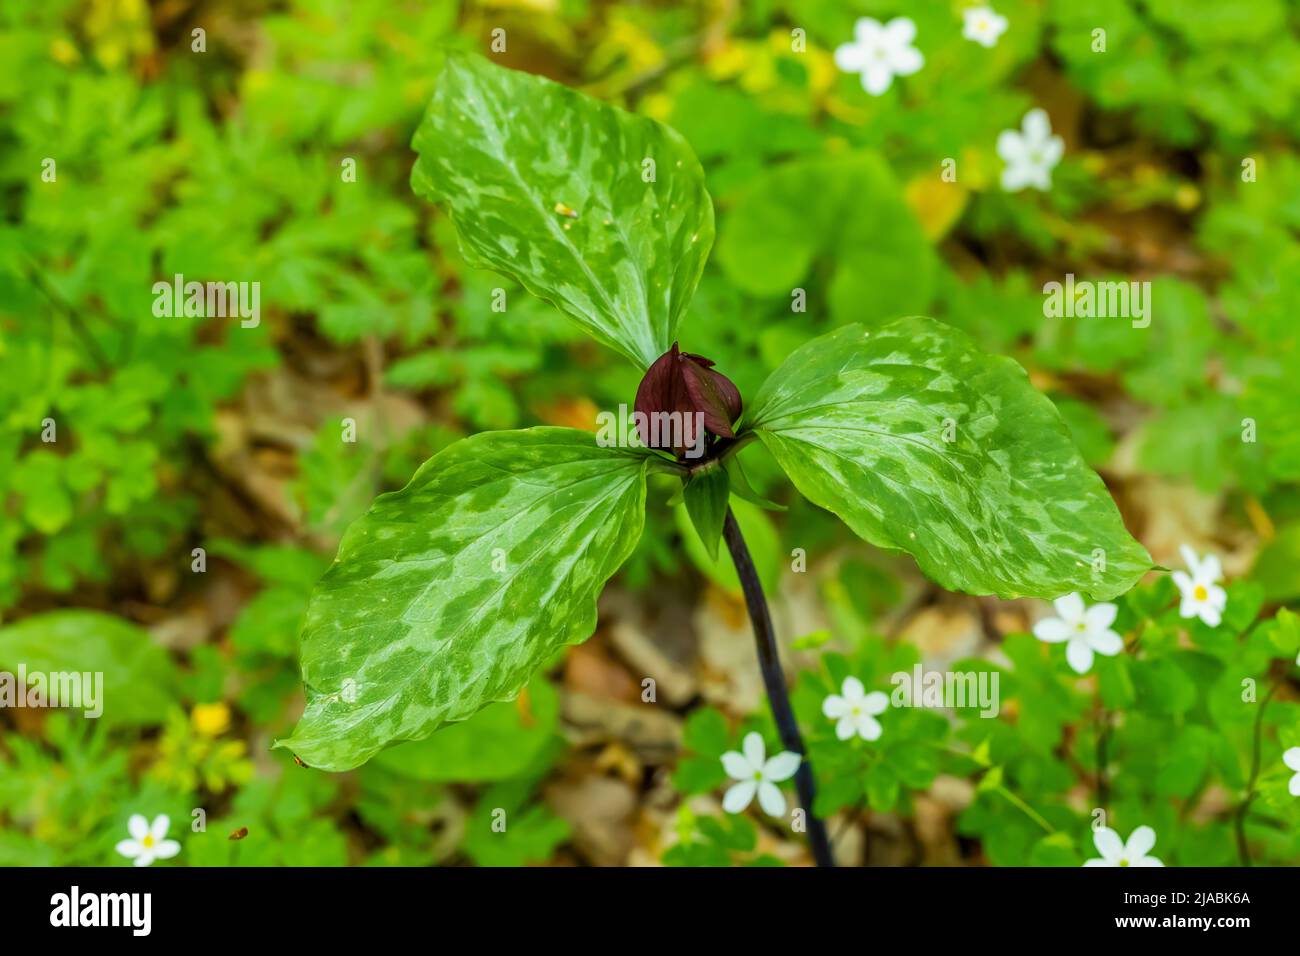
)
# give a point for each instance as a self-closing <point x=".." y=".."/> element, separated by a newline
<point x="1187" y="197"/>
<point x="211" y="720"/>
<point x="64" y="52"/>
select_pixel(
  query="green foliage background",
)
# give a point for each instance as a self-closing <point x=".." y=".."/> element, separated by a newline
<point x="183" y="433"/>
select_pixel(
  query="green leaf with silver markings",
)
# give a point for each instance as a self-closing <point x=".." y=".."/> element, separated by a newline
<point x="921" y="442"/>
<point x="448" y="594"/>
<point x="596" y="210"/>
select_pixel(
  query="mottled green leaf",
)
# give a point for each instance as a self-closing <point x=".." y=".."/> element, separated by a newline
<point x="139" y="681"/>
<point x="549" y="186"/>
<point x="448" y="594"/>
<point x="920" y="442"/>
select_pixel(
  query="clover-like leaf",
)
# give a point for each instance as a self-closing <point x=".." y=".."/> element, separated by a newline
<point x="843" y="215"/>
<point x="594" y="209"/>
<point x="921" y="442"/>
<point x="448" y="594"/>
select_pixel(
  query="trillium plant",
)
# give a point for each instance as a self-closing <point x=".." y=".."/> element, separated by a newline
<point x="449" y="594"/>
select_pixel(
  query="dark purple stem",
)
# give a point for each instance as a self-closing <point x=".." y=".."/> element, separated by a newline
<point x="769" y="663"/>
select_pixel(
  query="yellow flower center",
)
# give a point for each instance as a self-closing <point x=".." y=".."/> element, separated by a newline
<point x="147" y="842"/>
<point x="1123" y="862"/>
<point x="1200" y="593"/>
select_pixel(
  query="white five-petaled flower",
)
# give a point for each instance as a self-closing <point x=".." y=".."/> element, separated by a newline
<point x="1030" y="153"/>
<point x="148" y="841"/>
<point x="754" y="773"/>
<point x="1202" y="596"/>
<point x="1292" y="759"/>
<point x="879" y="52"/>
<point x="854" y="710"/>
<point x="1083" y="629"/>
<point x="1115" y="852"/>
<point x="983" y="25"/>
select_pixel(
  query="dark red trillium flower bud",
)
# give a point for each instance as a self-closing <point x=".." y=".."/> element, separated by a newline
<point x="685" y="384"/>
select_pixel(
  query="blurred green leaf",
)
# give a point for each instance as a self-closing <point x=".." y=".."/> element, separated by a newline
<point x="139" y="679"/>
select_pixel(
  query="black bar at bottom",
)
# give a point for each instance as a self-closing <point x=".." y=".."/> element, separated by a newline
<point x="333" y="907"/>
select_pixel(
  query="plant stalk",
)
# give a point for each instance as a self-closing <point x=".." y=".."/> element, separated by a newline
<point x="1239" y="822"/>
<point x="1103" y="738"/>
<point x="769" y="663"/>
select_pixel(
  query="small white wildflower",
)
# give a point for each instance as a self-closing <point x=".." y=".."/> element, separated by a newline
<point x="854" y="710"/>
<point x="880" y="52"/>
<point x="1030" y="153"/>
<point x="1202" y="596"/>
<point x="983" y="25"/>
<point x="148" y="841"/>
<point x="1083" y="629"/>
<point x="1292" y="759"/>
<point x="756" y="774"/>
<point x="1115" y="852"/>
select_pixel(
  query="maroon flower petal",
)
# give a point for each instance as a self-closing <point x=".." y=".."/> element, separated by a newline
<point x="685" y="384"/>
<point x="662" y="389"/>
<point x="708" y="397"/>
<point x="699" y="359"/>
<point x="730" y="394"/>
